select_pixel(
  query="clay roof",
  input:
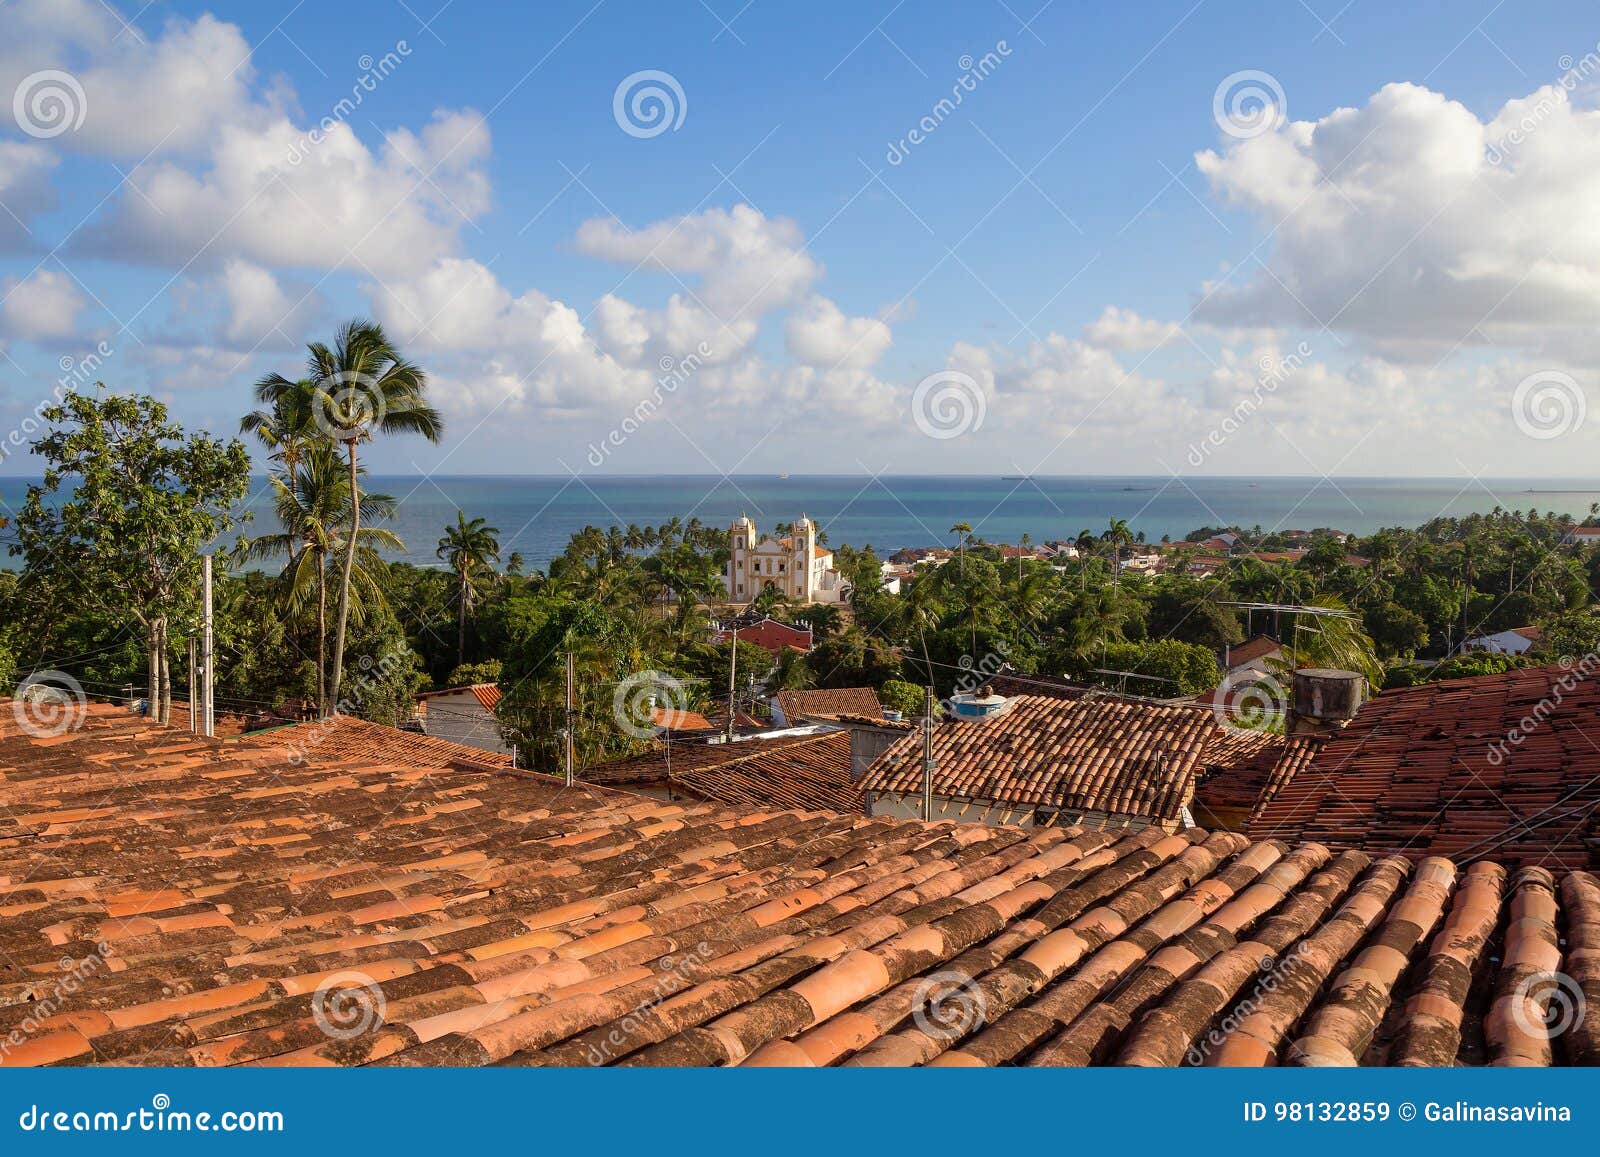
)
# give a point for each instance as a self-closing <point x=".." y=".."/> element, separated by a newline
<point x="771" y="635"/>
<point x="345" y="737"/>
<point x="1242" y="776"/>
<point x="825" y="704"/>
<point x="223" y="907"/>
<point x="1252" y="649"/>
<point x="804" y="771"/>
<point x="1103" y="753"/>
<point x="1499" y="766"/>
<point x="676" y="719"/>
<point x="488" y="694"/>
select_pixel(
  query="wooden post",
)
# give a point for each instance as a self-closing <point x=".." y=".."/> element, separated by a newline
<point x="927" y="759"/>
<point x="733" y="663"/>
<point x="194" y="708"/>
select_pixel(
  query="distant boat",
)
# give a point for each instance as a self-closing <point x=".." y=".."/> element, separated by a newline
<point x="1016" y="477"/>
<point x="783" y="478"/>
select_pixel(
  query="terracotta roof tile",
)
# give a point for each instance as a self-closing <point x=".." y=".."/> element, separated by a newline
<point x="1503" y="767"/>
<point x="437" y="915"/>
<point x="345" y="737"/>
<point x="805" y="771"/>
<point x="826" y="704"/>
<point x="1100" y="753"/>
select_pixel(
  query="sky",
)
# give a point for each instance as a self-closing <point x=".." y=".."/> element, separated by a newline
<point x="726" y="237"/>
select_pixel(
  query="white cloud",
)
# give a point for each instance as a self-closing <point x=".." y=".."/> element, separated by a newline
<point x="821" y="335"/>
<point x="748" y="264"/>
<point x="25" y="192"/>
<point x="1124" y="329"/>
<point x="43" y="307"/>
<point x="140" y="92"/>
<point x="261" y="311"/>
<point x="390" y="212"/>
<point x="1393" y="223"/>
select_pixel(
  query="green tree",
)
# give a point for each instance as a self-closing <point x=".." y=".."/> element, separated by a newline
<point x="471" y="548"/>
<point x="906" y="698"/>
<point x="362" y="387"/>
<point x="146" y="501"/>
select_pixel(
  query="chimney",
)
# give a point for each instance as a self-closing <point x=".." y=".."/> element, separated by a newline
<point x="1324" y="700"/>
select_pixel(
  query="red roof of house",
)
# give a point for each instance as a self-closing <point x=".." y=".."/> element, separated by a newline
<point x="771" y="635"/>
<point x="827" y="703"/>
<point x="345" y="737"/>
<point x="1107" y="754"/>
<point x="1250" y="650"/>
<point x="1500" y="766"/>
<point x="487" y="694"/>
<point x="804" y="771"/>
<point x="674" y="719"/>
<point x="254" y="911"/>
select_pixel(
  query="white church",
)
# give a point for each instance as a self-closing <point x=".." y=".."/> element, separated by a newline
<point x="794" y="565"/>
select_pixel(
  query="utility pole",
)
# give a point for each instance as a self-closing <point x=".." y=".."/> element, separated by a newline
<point x="194" y="708"/>
<point x="569" y="719"/>
<point x="208" y="718"/>
<point x="927" y="759"/>
<point x="733" y="664"/>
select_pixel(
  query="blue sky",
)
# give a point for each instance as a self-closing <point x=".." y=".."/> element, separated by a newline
<point x="1360" y="292"/>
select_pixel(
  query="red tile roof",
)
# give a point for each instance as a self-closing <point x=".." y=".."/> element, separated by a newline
<point x="1241" y="780"/>
<point x="257" y="912"/>
<point x="1101" y="753"/>
<point x="1499" y="766"/>
<point x="827" y="703"/>
<point x="1252" y="649"/>
<point x="771" y="635"/>
<point x="675" y="719"/>
<point x="803" y="771"/>
<point x="345" y="737"/>
<point x="487" y="694"/>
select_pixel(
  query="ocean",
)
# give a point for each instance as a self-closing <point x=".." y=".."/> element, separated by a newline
<point x="536" y="515"/>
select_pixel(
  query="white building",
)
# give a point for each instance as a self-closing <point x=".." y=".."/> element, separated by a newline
<point x="1516" y="641"/>
<point x="464" y="715"/>
<point x="794" y="565"/>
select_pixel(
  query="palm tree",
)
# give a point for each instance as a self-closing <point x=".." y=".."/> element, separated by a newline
<point x="962" y="532"/>
<point x="514" y="563"/>
<point x="312" y="504"/>
<point x="1117" y="536"/>
<point x="1086" y="544"/>
<point x="362" y="385"/>
<point x="286" y="426"/>
<point x="469" y="548"/>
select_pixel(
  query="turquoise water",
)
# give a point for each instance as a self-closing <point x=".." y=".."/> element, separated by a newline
<point x="537" y="514"/>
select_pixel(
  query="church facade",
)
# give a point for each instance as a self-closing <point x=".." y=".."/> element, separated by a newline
<point x="793" y="565"/>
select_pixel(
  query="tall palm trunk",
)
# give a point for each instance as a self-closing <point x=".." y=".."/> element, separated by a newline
<point x="461" y="620"/>
<point x="344" y="587"/>
<point x="322" y="631"/>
